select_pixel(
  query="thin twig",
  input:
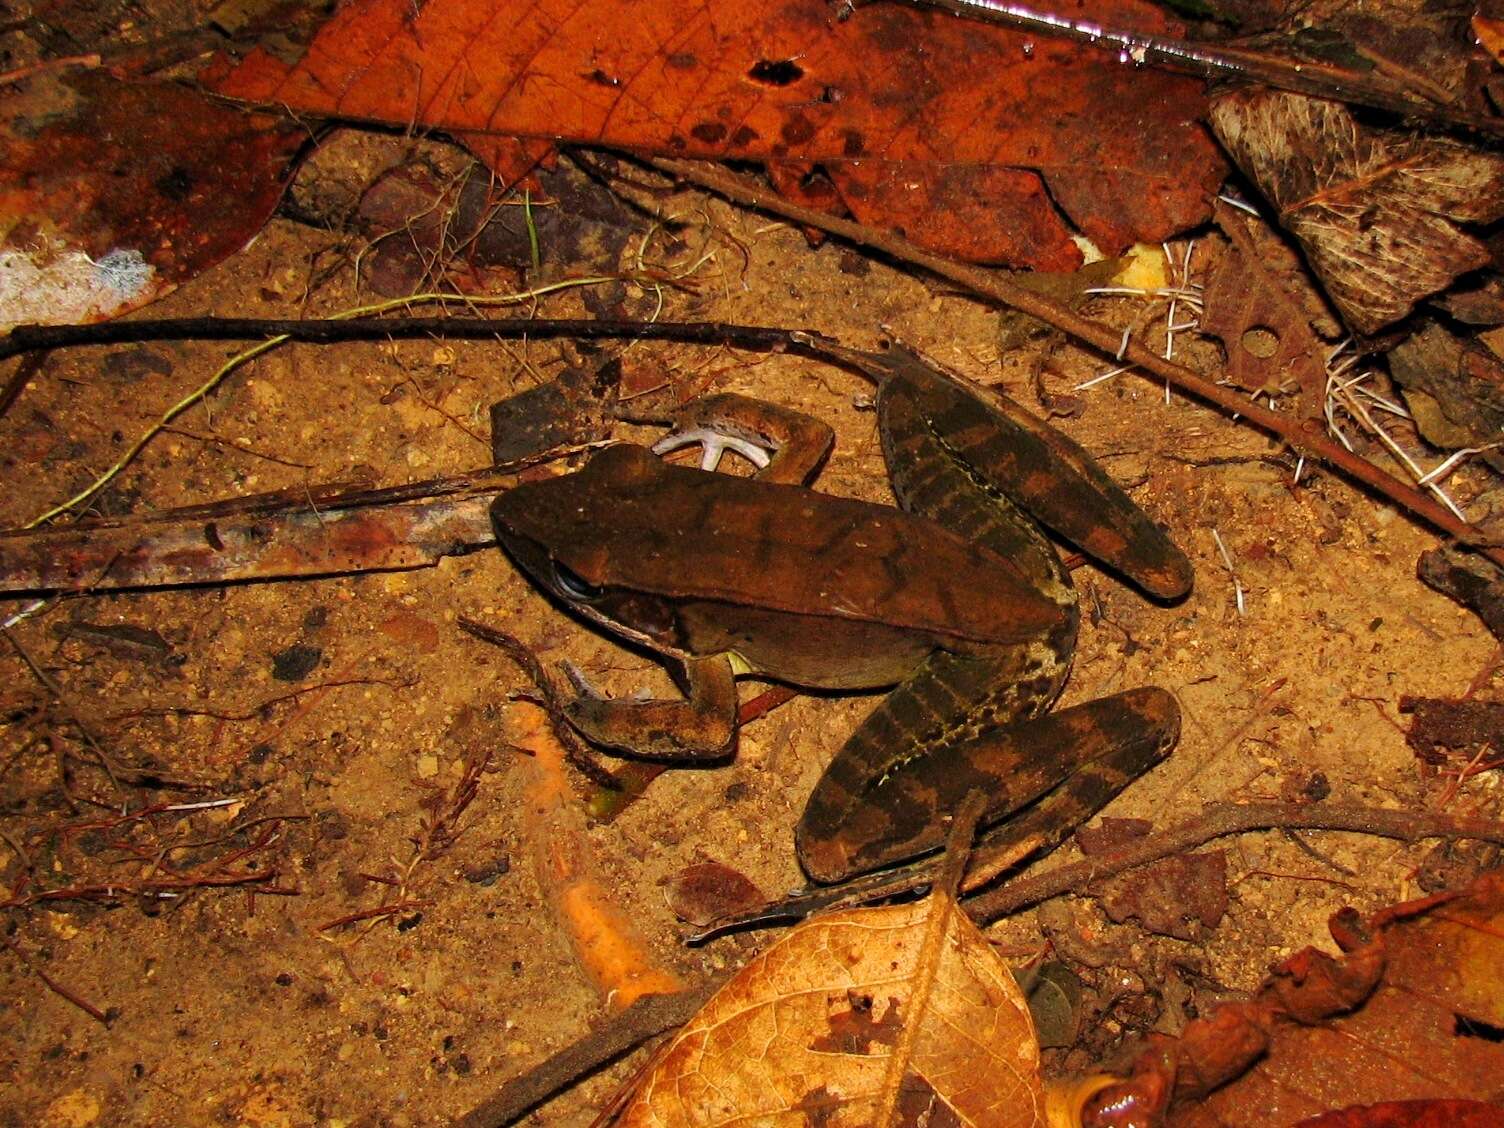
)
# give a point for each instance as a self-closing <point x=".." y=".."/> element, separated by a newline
<point x="102" y="758"/>
<point x="331" y="331"/>
<point x="378" y="913"/>
<point x="57" y="988"/>
<point x="1218" y="822"/>
<point x="18" y="381"/>
<point x="622" y="1033"/>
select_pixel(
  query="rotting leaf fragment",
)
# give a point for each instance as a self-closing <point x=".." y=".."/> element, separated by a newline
<point x="1377" y="212"/>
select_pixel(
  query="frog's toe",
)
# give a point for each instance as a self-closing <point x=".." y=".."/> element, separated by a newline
<point x="824" y="859"/>
<point x="582" y="683"/>
<point x="713" y="445"/>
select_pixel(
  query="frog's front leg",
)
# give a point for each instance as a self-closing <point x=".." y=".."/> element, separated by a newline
<point x="699" y="727"/>
<point x="787" y="447"/>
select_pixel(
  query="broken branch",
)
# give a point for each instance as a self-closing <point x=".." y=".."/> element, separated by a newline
<point x="330" y="331"/>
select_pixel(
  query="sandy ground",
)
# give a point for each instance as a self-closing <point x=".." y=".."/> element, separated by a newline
<point x="233" y="1009"/>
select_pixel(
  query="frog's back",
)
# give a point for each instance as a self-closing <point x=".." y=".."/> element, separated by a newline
<point x="629" y="521"/>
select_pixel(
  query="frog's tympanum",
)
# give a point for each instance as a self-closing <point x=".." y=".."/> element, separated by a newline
<point x="957" y="598"/>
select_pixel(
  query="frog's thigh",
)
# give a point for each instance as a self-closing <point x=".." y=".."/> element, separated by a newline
<point x="1081" y="757"/>
<point x="698" y="727"/>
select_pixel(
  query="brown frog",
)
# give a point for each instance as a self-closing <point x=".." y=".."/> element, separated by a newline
<point x="957" y="598"/>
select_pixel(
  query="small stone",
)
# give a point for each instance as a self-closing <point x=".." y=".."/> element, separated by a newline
<point x="428" y="766"/>
<point x="72" y="1110"/>
<point x="296" y="662"/>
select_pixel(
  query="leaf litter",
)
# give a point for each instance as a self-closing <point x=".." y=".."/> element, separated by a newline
<point x="365" y="759"/>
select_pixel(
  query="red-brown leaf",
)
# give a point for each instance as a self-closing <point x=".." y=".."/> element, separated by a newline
<point x="1412" y="1114"/>
<point x="968" y="137"/>
<point x="126" y="191"/>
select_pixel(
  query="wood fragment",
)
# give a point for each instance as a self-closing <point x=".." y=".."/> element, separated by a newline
<point x="646" y="1018"/>
<point x="328" y="331"/>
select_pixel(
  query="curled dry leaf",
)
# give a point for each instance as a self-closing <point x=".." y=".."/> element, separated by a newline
<point x="1454" y="388"/>
<point x="849" y="1016"/>
<point x="1410" y="1012"/>
<point x="1377" y="212"/>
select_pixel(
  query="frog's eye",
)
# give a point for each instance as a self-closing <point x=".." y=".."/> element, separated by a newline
<point x="575" y="586"/>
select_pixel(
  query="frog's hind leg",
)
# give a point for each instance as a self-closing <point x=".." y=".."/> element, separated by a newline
<point x="948" y="460"/>
<point x="945" y="439"/>
<point x="949" y="702"/>
<point x="1056" y="770"/>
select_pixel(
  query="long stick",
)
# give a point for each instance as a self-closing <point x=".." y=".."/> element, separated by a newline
<point x="324" y="331"/>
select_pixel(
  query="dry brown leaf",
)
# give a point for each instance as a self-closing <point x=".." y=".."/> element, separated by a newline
<point x="1263" y="307"/>
<point x="847" y="1014"/>
<point x="1376" y="211"/>
<point x="1410" y="1012"/>
<point x="1454" y="387"/>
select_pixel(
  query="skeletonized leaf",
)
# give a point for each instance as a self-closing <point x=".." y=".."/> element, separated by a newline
<point x="1377" y="212"/>
<point x="849" y="1014"/>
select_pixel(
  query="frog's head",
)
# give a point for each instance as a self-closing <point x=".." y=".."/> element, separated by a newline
<point x="569" y="535"/>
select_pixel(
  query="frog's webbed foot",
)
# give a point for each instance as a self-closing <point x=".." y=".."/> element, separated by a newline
<point x="786" y="446"/>
<point x="698" y="727"/>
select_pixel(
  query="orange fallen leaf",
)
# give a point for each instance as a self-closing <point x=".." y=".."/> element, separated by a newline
<point x="1412" y="1114"/>
<point x="901" y="1012"/>
<point x="115" y="192"/>
<point x="977" y="141"/>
